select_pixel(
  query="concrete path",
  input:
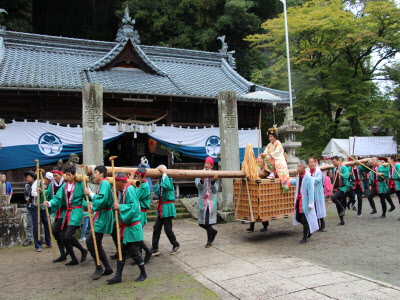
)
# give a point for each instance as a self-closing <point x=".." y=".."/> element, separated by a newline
<point x="236" y="270"/>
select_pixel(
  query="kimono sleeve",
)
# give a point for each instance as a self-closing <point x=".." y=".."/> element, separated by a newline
<point x="384" y="170"/>
<point x="131" y="210"/>
<point x="157" y="189"/>
<point x="100" y="199"/>
<point x="318" y="177"/>
<point x="58" y="200"/>
<point x="198" y="183"/>
<point x="167" y="182"/>
<point x="396" y="174"/>
<point x="278" y="152"/>
<point x="215" y="186"/>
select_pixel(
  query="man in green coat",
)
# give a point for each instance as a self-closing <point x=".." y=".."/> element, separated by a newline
<point x="378" y="186"/>
<point x="143" y="194"/>
<point x="356" y="177"/>
<point x="71" y="196"/>
<point x="341" y="177"/>
<point x="393" y="182"/>
<point x="166" y="211"/>
<point x="103" y="220"/>
<point x="131" y="229"/>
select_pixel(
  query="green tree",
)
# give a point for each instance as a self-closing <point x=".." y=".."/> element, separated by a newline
<point x="336" y="53"/>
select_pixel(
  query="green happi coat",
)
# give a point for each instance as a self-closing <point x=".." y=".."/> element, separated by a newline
<point x="102" y="205"/>
<point x="379" y="182"/>
<point x="396" y="176"/>
<point x="342" y="180"/>
<point x="130" y="214"/>
<point x="143" y="194"/>
<point x="168" y="195"/>
<point x="78" y="199"/>
<point x="361" y="171"/>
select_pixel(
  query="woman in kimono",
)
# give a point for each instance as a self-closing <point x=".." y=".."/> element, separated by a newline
<point x="273" y="160"/>
<point x="208" y="201"/>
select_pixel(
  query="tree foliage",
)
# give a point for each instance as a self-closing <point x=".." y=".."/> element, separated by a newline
<point x="336" y="54"/>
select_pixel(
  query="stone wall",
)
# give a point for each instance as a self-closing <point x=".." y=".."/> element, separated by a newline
<point x="12" y="231"/>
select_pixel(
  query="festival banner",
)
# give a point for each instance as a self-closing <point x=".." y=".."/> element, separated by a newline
<point x="201" y="142"/>
<point x="23" y="142"/>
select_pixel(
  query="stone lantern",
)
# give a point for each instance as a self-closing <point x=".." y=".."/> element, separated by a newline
<point x="289" y="129"/>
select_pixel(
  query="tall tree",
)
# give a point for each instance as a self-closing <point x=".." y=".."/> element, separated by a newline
<point x="335" y="55"/>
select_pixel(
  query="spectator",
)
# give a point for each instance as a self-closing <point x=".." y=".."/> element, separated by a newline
<point x="30" y="178"/>
<point x="144" y="163"/>
<point x="5" y="190"/>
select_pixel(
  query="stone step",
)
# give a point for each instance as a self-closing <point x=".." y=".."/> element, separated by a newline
<point x="183" y="215"/>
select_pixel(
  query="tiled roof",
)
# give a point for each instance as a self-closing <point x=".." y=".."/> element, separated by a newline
<point x="48" y="62"/>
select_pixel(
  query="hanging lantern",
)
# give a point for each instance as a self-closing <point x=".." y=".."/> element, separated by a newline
<point x="120" y="128"/>
<point x="153" y="127"/>
<point x="152" y="145"/>
<point x="127" y="128"/>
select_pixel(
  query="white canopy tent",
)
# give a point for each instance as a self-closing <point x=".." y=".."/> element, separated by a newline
<point x="334" y="147"/>
<point x="361" y="146"/>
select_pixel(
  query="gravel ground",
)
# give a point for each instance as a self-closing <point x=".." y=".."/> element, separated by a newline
<point x="367" y="246"/>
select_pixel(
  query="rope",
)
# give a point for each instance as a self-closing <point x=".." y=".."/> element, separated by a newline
<point x="136" y="121"/>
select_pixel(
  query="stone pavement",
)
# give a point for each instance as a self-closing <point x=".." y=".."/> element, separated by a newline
<point x="236" y="270"/>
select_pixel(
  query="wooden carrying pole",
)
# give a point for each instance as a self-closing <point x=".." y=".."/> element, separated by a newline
<point x="174" y="173"/>
<point x="38" y="204"/>
<point x="96" y="251"/>
<point x="48" y="216"/>
<point x="116" y="211"/>
<point x="78" y="178"/>
<point x="355" y="160"/>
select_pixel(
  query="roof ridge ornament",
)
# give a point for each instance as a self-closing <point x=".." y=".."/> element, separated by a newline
<point x="127" y="30"/>
<point x="224" y="46"/>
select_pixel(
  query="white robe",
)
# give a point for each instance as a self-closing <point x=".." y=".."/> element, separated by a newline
<point x="319" y="197"/>
<point x="307" y="192"/>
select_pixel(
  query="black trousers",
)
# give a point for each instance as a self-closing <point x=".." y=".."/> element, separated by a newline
<point x="207" y="226"/>
<point x="352" y="197"/>
<point x="133" y="249"/>
<point x="388" y="193"/>
<point x="57" y="230"/>
<point x="372" y="193"/>
<point x="44" y="221"/>
<point x="90" y="245"/>
<point x="69" y="240"/>
<point x="338" y="197"/>
<point x="358" y="192"/>
<point x="301" y="218"/>
<point x="167" y="223"/>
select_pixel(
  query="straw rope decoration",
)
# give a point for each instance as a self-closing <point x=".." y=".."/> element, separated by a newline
<point x="249" y="165"/>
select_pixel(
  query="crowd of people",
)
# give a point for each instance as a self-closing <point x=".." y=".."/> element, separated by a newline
<point x="65" y="198"/>
<point x="72" y="205"/>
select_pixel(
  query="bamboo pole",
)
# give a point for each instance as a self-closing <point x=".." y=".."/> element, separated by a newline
<point x="259" y="134"/>
<point x="38" y="204"/>
<point x="48" y="217"/>
<point x="355" y="160"/>
<point x="394" y="168"/>
<point x="96" y="251"/>
<point x="116" y="211"/>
